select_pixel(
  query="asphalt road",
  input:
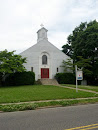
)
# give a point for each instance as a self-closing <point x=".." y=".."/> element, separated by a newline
<point x="59" y="118"/>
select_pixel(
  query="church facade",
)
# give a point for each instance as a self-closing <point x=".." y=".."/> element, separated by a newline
<point x="43" y="58"/>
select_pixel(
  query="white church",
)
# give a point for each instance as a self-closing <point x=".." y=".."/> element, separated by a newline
<point x="43" y="58"/>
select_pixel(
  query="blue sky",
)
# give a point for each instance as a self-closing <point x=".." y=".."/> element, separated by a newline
<point x="21" y="19"/>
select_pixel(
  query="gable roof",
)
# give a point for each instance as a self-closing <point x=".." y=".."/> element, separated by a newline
<point x="44" y="46"/>
<point x="41" y="29"/>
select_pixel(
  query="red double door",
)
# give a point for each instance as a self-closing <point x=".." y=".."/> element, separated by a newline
<point x="44" y="73"/>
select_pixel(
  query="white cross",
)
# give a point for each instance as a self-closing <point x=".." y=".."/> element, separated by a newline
<point x="42" y="25"/>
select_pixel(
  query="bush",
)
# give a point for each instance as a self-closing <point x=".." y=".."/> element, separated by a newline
<point x="65" y="78"/>
<point x="18" y="107"/>
<point x="20" y="78"/>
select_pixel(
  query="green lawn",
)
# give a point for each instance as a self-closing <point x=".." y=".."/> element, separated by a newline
<point x="39" y="92"/>
<point x="92" y="88"/>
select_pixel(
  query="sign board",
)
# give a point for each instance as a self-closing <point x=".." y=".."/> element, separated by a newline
<point x="79" y="75"/>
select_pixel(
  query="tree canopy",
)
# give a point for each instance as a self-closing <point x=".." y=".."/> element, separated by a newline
<point x="84" y="42"/>
<point x="10" y="62"/>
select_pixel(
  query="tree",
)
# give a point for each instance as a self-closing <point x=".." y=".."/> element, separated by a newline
<point x="68" y="65"/>
<point x="67" y="50"/>
<point x="10" y="63"/>
<point x="85" y="64"/>
<point x="84" y="42"/>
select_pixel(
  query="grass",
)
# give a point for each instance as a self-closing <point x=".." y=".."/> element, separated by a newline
<point x="39" y="92"/>
<point x="92" y="88"/>
<point x="33" y="106"/>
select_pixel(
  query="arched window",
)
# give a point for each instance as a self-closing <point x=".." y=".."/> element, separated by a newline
<point x="44" y="59"/>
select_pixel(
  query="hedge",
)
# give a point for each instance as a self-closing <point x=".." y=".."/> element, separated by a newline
<point x="65" y="78"/>
<point x="19" y="78"/>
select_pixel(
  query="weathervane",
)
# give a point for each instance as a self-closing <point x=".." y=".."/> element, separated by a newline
<point x="42" y="25"/>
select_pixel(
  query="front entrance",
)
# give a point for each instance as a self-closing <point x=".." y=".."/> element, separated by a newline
<point x="44" y="73"/>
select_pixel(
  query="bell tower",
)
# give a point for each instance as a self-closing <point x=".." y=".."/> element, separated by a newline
<point x="42" y="34"/>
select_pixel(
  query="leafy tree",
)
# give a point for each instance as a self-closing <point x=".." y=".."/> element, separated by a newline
<point x="85" y="64"/>
<point x="68" y="66"/>
<point x="84" y="42"/>
<point x="10" y="63"/>
<point x="67" y="50"/>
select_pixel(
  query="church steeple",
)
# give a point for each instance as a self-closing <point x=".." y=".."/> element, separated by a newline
<point x="42" y="34"/>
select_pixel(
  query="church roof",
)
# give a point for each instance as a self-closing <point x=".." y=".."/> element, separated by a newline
<point x="43" y="45"/>
<point x="41" y="29"/>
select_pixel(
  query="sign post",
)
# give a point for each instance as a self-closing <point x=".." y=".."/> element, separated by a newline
<point x="76" y="78"/>
<point x="79" y="76"/>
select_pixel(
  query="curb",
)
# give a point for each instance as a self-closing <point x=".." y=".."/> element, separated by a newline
<point x="48" y="101"/>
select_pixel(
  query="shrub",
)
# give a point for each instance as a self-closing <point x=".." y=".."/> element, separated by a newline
<point x="18" y="107"/>
<point x="65" y="78"/>
<point x="20" y="78"/>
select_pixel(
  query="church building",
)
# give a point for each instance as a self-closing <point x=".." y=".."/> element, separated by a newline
<point x="43" y="58"/>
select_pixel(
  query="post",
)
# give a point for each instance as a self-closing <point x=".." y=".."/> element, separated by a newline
<point x="76" y="78"/>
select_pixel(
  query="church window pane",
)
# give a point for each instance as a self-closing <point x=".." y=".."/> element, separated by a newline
<point x="32" y="69"/>
<point x="44" y="59"/>
<point x="57" y="69"/>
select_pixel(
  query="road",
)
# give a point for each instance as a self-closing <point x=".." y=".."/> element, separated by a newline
<point x="59" y="118"/>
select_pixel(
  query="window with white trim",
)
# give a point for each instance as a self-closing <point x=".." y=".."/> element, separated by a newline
<point x="44" y="60"/>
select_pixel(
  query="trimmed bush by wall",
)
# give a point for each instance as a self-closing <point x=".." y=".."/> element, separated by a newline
<point x="65" y="78"/>
<point x="20" y="78"/>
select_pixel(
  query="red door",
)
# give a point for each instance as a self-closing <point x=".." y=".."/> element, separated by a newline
<point x="44" y="73"/>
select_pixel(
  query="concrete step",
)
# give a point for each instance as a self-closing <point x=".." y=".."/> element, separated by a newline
<point x="49" y="82"/>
